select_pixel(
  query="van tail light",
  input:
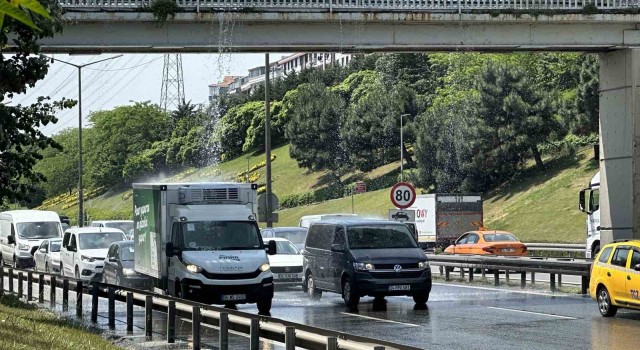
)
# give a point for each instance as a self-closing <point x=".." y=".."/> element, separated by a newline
<point x="488" y="250"/>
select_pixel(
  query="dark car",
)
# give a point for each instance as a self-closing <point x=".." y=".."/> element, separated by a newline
<point x="118" y="267"/>
<point x="400" y="215"/>
<point x="365" y="258"/>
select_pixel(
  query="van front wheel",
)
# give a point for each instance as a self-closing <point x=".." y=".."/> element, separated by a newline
<point x="264" y="306"/>
<point x="311" y="288"/>
<point x="421" y="299"/>
<point x="349" y="294"/>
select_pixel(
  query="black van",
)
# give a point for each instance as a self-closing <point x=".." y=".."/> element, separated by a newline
<point x="364" y="258"/>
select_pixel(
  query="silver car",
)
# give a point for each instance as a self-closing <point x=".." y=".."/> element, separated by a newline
<point x="47" y="256"/>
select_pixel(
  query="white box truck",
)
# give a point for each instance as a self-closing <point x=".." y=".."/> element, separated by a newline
<point x="442" y="217"/>
<point x="589" y="202"/>
<point x="200" y="241"/>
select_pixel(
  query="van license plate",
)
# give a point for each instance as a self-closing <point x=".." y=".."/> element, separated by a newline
<point x="400" y="287"/>
<point x="287" y="275"/>
<point x="233" y="297"/>
<point x="508" y="250"/>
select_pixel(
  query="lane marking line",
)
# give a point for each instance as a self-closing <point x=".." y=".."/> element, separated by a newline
<point x="532" y="313"/>
<point x="381" y="319"/>
<point x="507" y="290"/>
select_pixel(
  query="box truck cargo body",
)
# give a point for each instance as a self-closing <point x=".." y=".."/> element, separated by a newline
<point x="201" y="241"/>
<point x="441" y="217"/>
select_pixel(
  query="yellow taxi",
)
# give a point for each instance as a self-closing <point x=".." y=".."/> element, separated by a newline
<point x="615" y="277"/>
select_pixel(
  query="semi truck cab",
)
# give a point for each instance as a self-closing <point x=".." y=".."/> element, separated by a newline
<point x="589" y="202"/>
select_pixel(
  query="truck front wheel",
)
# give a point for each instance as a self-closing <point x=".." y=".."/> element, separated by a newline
<point x="595" y="250"/>
<point x="264" y="306"/>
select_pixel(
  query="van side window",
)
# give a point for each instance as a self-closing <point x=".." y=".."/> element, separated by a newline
<point x="338" y="238"/>
<point x="326" y="236"/>
<point x="313" y="237"/>
<point x="65" y="240"/>
<point x="604" y="256"/>
<point x="72" y="242"/>
<point x="620" y="257"/>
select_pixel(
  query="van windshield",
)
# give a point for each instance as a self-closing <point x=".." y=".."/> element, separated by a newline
<point x="55" y="247"/>
<point x="220" y="235"/>
<point x="99" y="240"/>
<point x="39" y="230"/>
<point x="380" y="237"/>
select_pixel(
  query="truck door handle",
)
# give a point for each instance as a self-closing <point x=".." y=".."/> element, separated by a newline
<point x="608" y="274"/>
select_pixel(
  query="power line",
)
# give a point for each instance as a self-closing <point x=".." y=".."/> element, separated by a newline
<point x="127" y="68"/>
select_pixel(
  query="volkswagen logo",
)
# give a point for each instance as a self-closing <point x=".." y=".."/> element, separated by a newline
<point x="287" y="269"/>
<point x="397" y="268"/>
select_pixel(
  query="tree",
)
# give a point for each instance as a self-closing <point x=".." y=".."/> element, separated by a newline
<point x="121" y="133"/>
<point x="314" y="130"/>
<point x="587" y="103"/>
<point x="59" y="165"/>
<point x="20" y="139"/>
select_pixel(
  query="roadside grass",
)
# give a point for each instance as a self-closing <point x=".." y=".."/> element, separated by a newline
<point x="25" y="327"/>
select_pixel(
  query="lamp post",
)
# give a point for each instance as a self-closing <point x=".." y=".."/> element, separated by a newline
<point x="80" y="197"/>
<point x="402" y="147"/>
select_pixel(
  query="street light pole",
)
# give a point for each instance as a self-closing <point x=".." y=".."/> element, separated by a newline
<point x="80" y="195"/>
<point x="402" y="148"/>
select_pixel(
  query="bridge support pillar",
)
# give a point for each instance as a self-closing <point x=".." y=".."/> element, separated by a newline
<point x="619" y="145"/>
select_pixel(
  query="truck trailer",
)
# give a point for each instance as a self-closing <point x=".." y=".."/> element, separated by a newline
<point x="201" y="241"/>
<point x="440" y="218"/>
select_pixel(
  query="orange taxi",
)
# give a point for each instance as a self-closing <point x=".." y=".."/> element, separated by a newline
<point x="483" y="242"/>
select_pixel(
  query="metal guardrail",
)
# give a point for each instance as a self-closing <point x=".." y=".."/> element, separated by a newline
<point x="556" y="247"/>
<point x="522" y="265"/>
<point x="369" y="5"/>
<point x="256" y="326"/>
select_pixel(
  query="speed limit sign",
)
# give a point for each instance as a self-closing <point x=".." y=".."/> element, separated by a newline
<point x="403" y="195"/>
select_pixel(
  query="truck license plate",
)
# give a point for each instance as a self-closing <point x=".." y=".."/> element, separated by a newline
<point x="287" y="275"/>
<point x="232" y="297"/>
<point x="508" y="250"/>
<point x="400" y="287"/>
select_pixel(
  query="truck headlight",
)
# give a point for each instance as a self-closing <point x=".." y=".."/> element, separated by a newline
<point x="87" y="258"/>
<point x="264" y="267"/>
<point x="423" y="265"/>
<point x="363" y="266"/>
<point x="194" y="268"/>
<point x="129" y="272"/>
<point x="24" y="247"/>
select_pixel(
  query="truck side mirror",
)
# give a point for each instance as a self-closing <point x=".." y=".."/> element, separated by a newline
<point x="11" y="240"/>
<point x="272" y="248"/>
<point x="581" y="201"/>
<point x="335" y="247"/>
<point x="170" y="250"/>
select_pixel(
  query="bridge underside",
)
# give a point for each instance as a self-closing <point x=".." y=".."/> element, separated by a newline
<point x="137" y="32"/>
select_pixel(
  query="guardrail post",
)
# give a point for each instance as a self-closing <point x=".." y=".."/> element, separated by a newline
<point x="79" y="291"/>
<point x="483" y="272"/>
<point x="254" y="334"/>
<point x="462" y="272"/>
<point x="148" y="316"/>
<point x="65" y="294"/>
<point x="523" y="279"/>
<point x="195" y="325"/>
<point x="94" y="303"/>
<point x="20" y="281"/>
<point x="52" y="291"/>
<point x="552" y="281"/>
<point x="441" y="270"/>
<point x="496" y="277"/>
<point x="10" y="280"/>
<point x="446" y="273"/>
<point x="559" y="280"/>
<point x="224" y="331"/>
<point x="112" y="307"/>
<point x="533" y="277"/>
<point x="471" y="274"/>
<point x="171" y="322"/>
<point x="332" y="343"/>
<point x="290" y="338"/>
<point x="40" y="288"/>
<point x="584" y="285"/>
<point x="506" y="276"/>
<point x="29" y="286"/>
<point x="1" y="279"/>
<point x="130" y="311"/>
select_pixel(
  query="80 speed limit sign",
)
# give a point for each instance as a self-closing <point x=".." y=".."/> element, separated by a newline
<point x="403" y="195"/>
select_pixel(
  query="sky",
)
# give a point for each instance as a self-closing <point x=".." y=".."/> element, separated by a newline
<point x="132" y="77"/>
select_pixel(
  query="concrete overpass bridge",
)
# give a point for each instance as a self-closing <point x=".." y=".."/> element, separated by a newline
<point x="207" y="26"/>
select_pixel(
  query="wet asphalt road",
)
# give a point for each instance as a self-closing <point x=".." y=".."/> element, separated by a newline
<point x="457" y="317"/>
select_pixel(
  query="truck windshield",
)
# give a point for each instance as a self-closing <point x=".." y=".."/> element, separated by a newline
<point x="39" y="230"/>
<point x="221" y="235"/>
<point x="99" y="240"/>
<point x="380" y="237"/>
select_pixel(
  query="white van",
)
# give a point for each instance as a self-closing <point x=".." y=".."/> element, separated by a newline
<point x="306" y="220"/>
<point x="84" y="250"/>
<point x="22" y="230"/>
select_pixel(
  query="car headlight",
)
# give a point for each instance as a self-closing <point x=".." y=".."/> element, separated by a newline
<point x="87" y="258"/>
<point x="423" y="265"/>
<point x="264" y="267"/>
<point x="363" y="266"/>
<point x="24" y="247"/>
<point x="129" y="272"/>
<point x="194" y="268"/>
